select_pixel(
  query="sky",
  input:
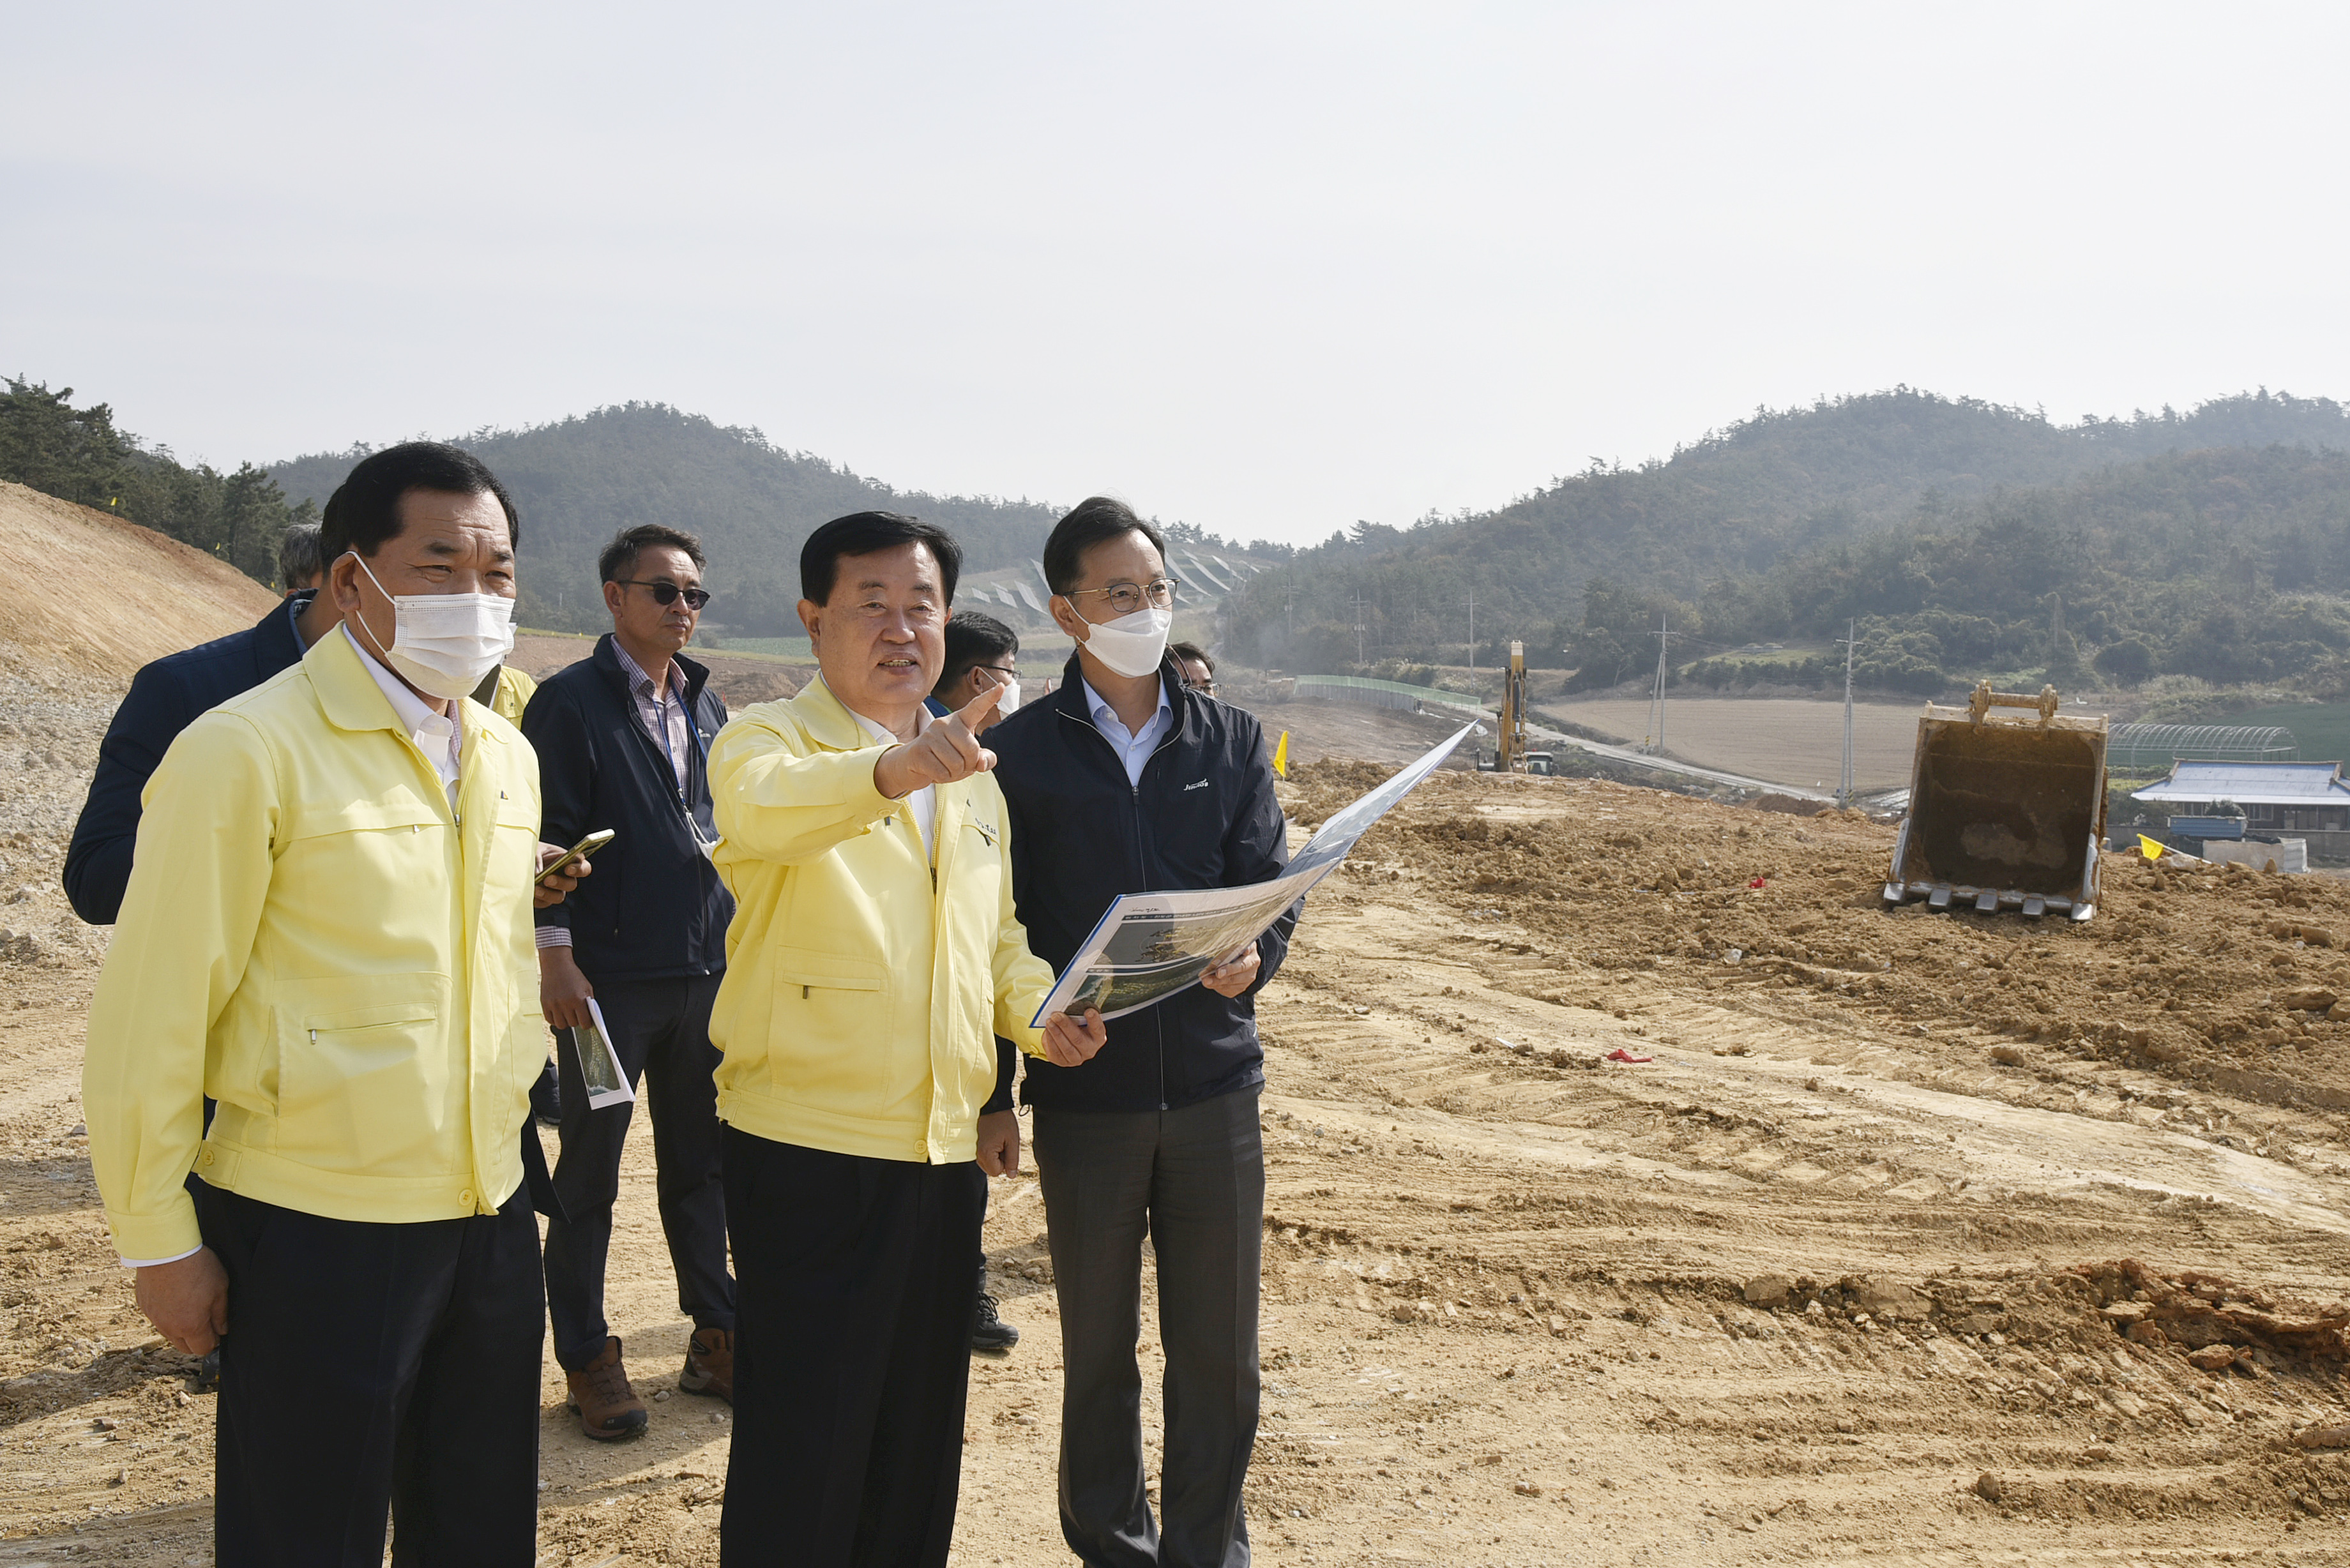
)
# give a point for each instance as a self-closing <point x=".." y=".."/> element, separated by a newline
<point x="1267" y="268"/>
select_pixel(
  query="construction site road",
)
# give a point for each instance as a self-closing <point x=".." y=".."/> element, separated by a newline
<point x="1639" y="1191"/>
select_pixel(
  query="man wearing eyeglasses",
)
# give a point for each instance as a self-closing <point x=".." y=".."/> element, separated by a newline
<point x="622" y="738"/>
<point x="1128" y="779"/>
<point x="1199" y="669"/>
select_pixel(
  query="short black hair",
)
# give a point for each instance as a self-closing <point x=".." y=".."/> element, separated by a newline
<point x="619" y="557"/>
<point x="1192" y="653"/>
<point x="973" y="637"/>
<point x="298" y="558"/>
<point x="866" y="534"/>
<point x="1092" y="520"/>
<point x="364" y="511"/>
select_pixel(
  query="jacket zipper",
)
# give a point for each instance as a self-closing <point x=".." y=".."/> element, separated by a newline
<point x="1141" y="868"/>
<point x="685" y="811"/>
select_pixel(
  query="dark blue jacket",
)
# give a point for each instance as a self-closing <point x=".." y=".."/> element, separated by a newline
<point x="654" y="907"/>
<point x="1204" y="815"/>
<point x="165" y="698"/>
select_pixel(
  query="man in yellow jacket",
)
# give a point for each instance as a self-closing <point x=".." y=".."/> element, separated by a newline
<point x="328" y="930"/>
<point x="873" y="958"/>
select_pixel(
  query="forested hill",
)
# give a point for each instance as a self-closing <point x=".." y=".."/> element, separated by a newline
<point x="578" y="482"/>
<point x="1729" y="535"/>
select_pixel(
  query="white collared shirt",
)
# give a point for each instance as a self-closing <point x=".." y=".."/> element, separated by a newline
<point x="438" y="737"/>
<point x="925" y="800"/>
<point x="1133" y="750"/>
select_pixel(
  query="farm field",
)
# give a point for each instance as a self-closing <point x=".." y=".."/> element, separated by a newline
<point x="1787" y="740"/>
<point x="2320" y="728"/>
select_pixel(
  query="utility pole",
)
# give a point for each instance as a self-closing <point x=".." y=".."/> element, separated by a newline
<point x="1472" y="639"/>
<point x="1657" y="702"/>
<point x="1359" y="627"/>
<point x="1849" y="640"/>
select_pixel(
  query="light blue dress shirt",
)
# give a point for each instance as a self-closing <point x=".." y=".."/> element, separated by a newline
<point x="1133" y="750"/>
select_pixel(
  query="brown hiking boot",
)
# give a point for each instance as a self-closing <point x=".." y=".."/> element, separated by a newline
<point x="608" y="1408"/>
<point x="710" y="1363"/>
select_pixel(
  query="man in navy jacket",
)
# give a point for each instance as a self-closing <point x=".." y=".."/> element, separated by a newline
<point x="165" y="698"/>
<point x="1124" y="781"/>
<point x="622" y="737"/>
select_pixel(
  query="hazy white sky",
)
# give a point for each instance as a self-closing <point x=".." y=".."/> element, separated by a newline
<point x="1267" y="268"/>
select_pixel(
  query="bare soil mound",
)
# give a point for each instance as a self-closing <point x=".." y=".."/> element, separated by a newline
<point x="138" y="595"/>
<point x="2222" y="977"/>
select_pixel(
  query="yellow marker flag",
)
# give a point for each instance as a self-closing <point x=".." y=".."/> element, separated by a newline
<point x="2154" y="851"/>
<point x="1280" y="755"/>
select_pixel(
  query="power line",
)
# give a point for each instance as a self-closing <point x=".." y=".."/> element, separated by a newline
<point x="1657" y="699"/>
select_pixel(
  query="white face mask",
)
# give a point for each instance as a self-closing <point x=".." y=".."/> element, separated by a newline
<point x="444" y="643"/>
<point x="1132" y="644"/>
<point x="1010" y="700"/>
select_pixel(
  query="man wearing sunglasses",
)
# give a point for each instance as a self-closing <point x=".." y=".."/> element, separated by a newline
<point x="622" y="737"/>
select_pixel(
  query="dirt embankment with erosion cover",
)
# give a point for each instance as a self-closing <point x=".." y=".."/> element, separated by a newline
<point x="1886" y="1238"/>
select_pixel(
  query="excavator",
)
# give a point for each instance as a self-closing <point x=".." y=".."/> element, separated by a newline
<point x="1510" y="753"/>
<point x="2005" y="812"/>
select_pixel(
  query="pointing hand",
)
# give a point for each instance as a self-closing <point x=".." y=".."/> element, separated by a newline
<point x="948" y="750"/>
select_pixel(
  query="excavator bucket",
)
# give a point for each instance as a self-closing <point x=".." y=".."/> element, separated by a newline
<point x="2006" y="812"/>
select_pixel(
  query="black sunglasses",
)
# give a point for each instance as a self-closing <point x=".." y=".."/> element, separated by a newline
<point x="668" y="593"/>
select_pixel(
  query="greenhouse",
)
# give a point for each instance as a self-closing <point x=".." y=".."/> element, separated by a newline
<point x="2153" y="748"/>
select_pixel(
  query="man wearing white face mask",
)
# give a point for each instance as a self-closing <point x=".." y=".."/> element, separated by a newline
<point x="328" y="930"/>
<point x="1128" y="780"/>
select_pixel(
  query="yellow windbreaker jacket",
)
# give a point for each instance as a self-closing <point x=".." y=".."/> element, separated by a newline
<point x="863" y="992"/>
<point x="313" y="939"/>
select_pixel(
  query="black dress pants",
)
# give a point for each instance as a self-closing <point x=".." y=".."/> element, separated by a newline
<point x="372" y="1368"/>
<point x="1194" y="1179"/>
<point x="852" y="1356"/>
<point x="661" y="1029"/>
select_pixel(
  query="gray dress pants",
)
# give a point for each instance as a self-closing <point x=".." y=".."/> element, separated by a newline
<point x="1194" y="1180"/>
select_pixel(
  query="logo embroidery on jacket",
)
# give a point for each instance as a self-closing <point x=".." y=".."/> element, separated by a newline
<point x="1189" y="787"/>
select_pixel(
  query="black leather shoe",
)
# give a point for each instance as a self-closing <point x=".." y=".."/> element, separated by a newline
<point x="989" y="1332"/>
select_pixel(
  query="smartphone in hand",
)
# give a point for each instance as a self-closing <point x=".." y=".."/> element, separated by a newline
<point x="577" y="852"/>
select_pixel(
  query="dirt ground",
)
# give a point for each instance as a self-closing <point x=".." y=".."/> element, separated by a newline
<point x="1896" y="1249"/>
<point x="1784" y="739"/>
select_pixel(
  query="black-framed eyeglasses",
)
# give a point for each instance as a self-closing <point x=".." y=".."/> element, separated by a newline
<point x="668" y="593"/>
<point x="1009" y="672"/>
<point x="1125" y="599"/>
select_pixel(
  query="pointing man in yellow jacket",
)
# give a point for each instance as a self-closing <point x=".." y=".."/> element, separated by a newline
<point x="328" y="930"/>
<point x="873" y="958"/>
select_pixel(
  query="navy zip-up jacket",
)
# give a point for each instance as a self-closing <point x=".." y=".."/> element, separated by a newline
<point x="165" y="697"/>
<point x="654" y="908"/>
<point x="1202" y="816"/>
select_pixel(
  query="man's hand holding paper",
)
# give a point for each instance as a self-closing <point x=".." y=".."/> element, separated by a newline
<point x="1236" y="973"/>
<point x="1069" y="1044"/>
